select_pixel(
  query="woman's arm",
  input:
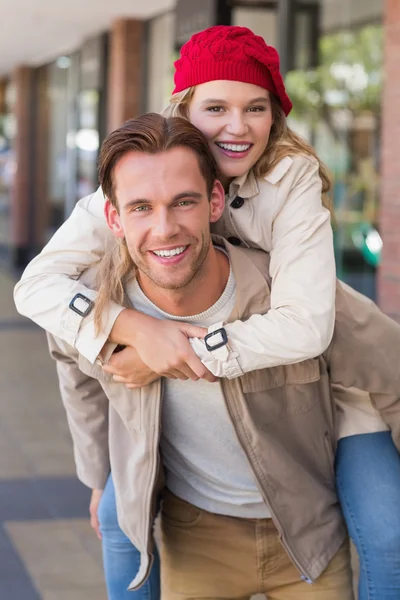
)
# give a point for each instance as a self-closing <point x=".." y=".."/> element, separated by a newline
<point x="300" y="322"/>
<point x="51" y="280"/>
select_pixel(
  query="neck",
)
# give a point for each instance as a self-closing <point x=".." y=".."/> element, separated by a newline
<point x="199" y="295"/>
<point x="225" y="182"/>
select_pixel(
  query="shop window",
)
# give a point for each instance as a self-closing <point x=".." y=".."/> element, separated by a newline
<point x="337" y="107"/>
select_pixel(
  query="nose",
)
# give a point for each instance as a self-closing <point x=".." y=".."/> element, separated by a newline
<point x="165" y="225"/>
<point x="237" y="124"/>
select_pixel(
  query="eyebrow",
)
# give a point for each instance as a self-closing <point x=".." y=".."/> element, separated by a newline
<point x="219" y="101"/>
<point x="181" y="196"/>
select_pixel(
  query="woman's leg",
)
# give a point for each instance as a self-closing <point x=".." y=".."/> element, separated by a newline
<point x="120" y="557"/>
<point x="368" y="484"/>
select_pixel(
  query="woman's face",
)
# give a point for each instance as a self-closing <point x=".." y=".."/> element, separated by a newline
<point x="236" y="119"/>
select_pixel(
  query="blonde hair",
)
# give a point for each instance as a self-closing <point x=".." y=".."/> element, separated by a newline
<point x="282" y="141"/>
<point x="115" y="271"/>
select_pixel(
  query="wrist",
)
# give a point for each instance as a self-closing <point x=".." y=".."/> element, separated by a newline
<point x="126" y="327"/>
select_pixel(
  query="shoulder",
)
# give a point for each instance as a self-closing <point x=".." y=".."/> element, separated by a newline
<point x="292" y="177"/>
<point x="94" y="203"/>
<point x="292" y="168"/>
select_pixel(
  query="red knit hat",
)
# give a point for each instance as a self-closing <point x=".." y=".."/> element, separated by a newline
<point x="230" y="53"/>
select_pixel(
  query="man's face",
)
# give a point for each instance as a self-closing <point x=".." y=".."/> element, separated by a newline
<point x="164" y="214"/>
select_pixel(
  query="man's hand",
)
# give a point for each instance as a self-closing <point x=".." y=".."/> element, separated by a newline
<point x="127" y="367"/>
<point x="162" y="345"/>
<point x="93" y="509"/>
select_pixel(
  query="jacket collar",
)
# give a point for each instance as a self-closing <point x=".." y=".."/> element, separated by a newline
<point x="245" y="186"/>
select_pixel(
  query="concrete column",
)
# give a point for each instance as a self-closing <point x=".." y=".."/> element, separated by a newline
<point x="389" y="272"/>
<point x="126" y="65"/>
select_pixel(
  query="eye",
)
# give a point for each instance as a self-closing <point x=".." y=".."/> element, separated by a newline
<point x="257" y="109"/>
<point x="215" y="109"/>
<point x="142" y="208"/>
<point x="185" y="203"/>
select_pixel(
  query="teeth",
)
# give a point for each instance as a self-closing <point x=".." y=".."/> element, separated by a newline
<point x="234" y="147"/>
<point x="170" y="253"/>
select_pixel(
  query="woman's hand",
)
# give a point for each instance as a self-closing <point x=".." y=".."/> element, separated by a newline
<point x="162" y="345"/>
<point x="93" y="510"/>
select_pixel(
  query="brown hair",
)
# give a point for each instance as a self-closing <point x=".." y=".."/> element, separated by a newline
<point x="150" y="134"/>
<point x="282" y="140"/>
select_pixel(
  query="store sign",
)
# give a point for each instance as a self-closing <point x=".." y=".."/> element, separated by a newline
<point x="193" y="16"/>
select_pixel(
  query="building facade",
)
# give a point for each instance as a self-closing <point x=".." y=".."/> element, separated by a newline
<point x="340" y="59"/>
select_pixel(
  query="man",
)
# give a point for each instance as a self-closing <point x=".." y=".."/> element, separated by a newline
<point x="250" y="503"/>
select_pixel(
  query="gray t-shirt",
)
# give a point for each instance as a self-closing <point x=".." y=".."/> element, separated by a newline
<point x="205" y="463"/>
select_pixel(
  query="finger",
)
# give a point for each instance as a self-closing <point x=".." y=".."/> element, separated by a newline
<point x="169" y="375"/>
<point x="97" y="529"/>
<point x="178" y="374"/>
<point x="183" y="372"/>
<point x="208" y="376"/>
<point x="94" y="522"/>
<point x="120" y="379"/>
<point x="98" y="532"/>
<point x="111" y="369"/>
<point x="196" y="366"/>
<point x="193" y="330"/>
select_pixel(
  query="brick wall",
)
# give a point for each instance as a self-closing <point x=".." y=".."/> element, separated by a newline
<point x="29" y="202"/>
<point x="21" y="208"/>
<point x="126" y="60"/>
<point x="389" y="272"/>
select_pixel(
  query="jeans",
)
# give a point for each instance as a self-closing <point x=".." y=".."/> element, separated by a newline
<point x="368" y="485"/>
<point x="120" y="557"/>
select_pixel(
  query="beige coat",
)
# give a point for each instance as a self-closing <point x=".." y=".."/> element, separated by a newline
<point x="281" y="214"/>
<point x="284" y="418"/>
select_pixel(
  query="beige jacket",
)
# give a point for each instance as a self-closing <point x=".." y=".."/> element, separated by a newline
<point x="280" y="214"/>
<point x="283" y="416"/>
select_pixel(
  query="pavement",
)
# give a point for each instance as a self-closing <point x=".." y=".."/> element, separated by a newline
<point x="47" y="549"/>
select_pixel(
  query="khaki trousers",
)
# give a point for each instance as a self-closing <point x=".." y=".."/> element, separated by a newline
<point x="208" y="556"/>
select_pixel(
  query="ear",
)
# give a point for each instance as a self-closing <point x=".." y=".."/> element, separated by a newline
<point x="217" y="201"/>
<point x="113" y="219"/>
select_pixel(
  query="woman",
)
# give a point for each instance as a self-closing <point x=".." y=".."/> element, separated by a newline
<point x="228" y="84"/>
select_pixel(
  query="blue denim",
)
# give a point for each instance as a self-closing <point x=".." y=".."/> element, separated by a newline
<point x="368" y="485"/>
<point x="121" y="559"/>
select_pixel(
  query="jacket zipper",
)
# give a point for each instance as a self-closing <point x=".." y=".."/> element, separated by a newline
<point x="304" y="575"/>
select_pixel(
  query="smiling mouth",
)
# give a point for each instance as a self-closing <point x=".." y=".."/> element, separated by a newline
<point x="234" y="147"/>
<point x="170" y="253"/>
